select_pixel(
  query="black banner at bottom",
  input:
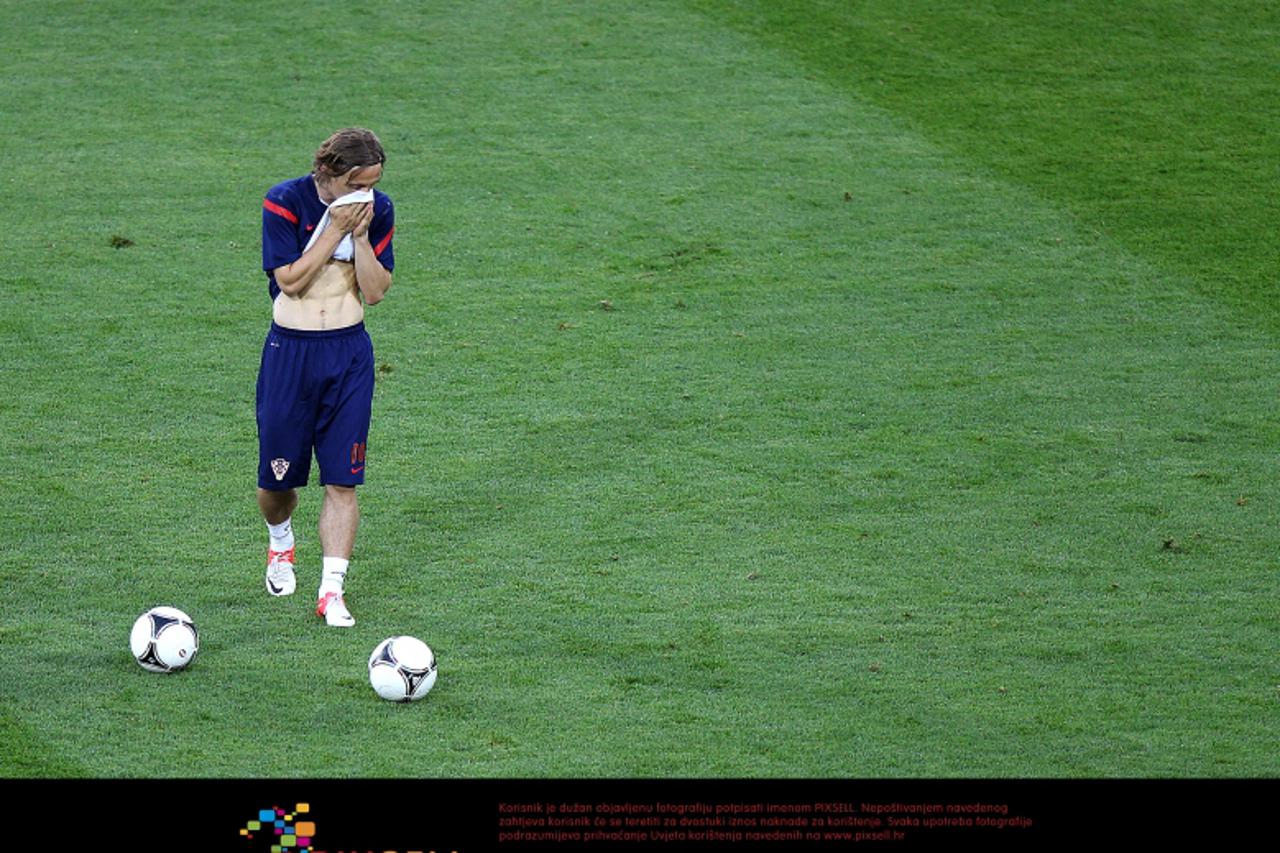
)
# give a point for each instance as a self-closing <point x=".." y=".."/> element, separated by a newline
<point x="577" y="816"/>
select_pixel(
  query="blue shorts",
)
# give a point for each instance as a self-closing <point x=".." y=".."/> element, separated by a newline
<point x="315" y="392"/>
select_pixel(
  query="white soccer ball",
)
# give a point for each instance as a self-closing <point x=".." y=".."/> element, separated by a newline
<point x="164" y="639"/>
<point x="402" y="669"/>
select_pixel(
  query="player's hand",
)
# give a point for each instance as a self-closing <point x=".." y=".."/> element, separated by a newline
<point x="348" y="216"/>
<point x="362" y="224"/>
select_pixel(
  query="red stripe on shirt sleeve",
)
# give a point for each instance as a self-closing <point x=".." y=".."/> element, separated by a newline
<point x="382" y="244"/>
<point x="280" y="211"/>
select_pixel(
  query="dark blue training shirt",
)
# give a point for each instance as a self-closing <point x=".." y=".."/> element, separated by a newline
<point x="293" y="209"/>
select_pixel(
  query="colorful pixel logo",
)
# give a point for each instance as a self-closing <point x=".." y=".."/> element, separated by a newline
<point x="283" y="830"/>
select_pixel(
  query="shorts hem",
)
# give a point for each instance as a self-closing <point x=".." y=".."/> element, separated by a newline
<point x="274" y="486"/>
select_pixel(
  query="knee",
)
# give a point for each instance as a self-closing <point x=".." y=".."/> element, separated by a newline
<point x="340" y="494"/>
<point x="284" y="500"/>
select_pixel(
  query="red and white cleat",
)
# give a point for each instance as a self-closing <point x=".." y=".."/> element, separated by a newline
<point x="280" y="577"/>
<point x="334" y="610"/>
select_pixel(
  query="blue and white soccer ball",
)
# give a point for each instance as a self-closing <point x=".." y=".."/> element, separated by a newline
<point x="164" y="639"/>
<point x="402" y="669"/>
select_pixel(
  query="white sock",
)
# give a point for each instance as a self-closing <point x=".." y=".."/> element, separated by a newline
<point x="334" y="575"/>
<point x="281" y="535"/>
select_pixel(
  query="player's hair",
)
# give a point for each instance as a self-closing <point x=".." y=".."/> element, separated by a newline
<point x="349" y="148"/>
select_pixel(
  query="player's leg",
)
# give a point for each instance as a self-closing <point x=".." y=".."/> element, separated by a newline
<point x="277" y="506"/>
<point x="342" y="433"/>
<point x="339" y="521"/>
<point x="277" y="510"/>
<point x="284" y="453"/>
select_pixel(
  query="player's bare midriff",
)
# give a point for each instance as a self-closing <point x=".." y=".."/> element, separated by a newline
<point x="332" y="301"/>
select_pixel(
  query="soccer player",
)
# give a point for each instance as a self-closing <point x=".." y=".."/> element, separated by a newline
<point x="326" y="250"/>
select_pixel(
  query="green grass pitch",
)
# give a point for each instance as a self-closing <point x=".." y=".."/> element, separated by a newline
<point x="768" y="389"/>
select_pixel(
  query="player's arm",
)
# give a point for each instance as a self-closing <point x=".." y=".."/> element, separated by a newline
<point x="296" y="277"/>
<point x="373" y="279"/>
